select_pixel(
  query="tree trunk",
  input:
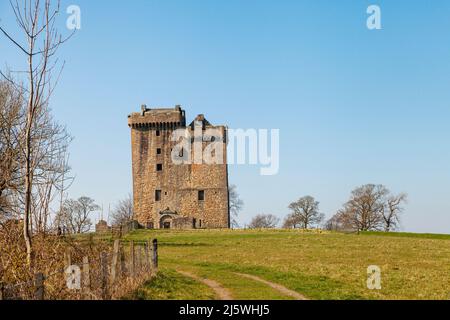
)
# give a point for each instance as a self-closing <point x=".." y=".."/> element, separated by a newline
<point x="28" y="169"/>
<point x="28" y="188"/>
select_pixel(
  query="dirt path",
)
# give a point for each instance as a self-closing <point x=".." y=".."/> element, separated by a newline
<point x="275" y="286"/>
<point x="222" y="293"/>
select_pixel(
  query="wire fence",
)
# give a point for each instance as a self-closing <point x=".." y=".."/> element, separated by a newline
<point x="109" y="275"/>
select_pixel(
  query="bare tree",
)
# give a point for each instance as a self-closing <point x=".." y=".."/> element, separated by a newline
<point x="36" y="19"/>
<point x="50" y="167"/>
<point x="123" y="211"/>
<point x="333" y="224"/>
<point x="49" y="144"/>
<point x="264" y="221"/>
<point x="236" y="205"/>
<point x="371" y="208"/>
<point x="290" y="222"/>
<point x="364" y="209"/>
<point x="391" y="211"/>
<point x="75" y="215"/>
<point x="339" y="222"/>
<point x="11" y="126"/>
<point x="305" y="213"/>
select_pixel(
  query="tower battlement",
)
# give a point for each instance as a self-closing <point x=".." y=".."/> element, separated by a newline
<point x="161" y="117"/>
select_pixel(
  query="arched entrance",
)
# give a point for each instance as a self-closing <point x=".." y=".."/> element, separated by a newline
<point x="166" y="222"/>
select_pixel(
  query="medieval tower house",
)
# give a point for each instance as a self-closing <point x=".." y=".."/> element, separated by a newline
<point x="169" y="195"/>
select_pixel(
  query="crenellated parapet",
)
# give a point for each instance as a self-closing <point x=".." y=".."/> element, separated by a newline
<point x="158" y="119"/>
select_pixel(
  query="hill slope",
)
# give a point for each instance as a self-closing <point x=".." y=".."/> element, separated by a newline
<point x="317" y="265"/>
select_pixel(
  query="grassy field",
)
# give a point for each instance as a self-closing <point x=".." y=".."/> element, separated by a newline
<point x="317" y="265"/>
<point x="170" y="285"/>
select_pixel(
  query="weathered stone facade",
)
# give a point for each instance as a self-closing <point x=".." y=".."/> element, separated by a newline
<point x="170" y="195"/>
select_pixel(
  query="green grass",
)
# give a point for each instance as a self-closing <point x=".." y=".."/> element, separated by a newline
<point x="319" y="266"/>
<point x="241" y="288"/>
<point x="170" y="285"/>
<point x="408" y="235"/>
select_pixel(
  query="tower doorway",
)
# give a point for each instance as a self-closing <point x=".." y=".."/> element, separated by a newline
<point x="166" y="222"/>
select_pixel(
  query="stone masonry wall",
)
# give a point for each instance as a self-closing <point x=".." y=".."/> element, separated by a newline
<point x="179" y="184"/>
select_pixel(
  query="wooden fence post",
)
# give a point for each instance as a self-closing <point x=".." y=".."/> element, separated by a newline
<point x="86" y="274"/>
<point x="104" y="265"/>
<point x="147" y="256"/>
<point x="132" y="258"/>
<point x="122" y="263"/>
<point x="115" y="259"/>
<point x="67" y="259"/>
<point x="150" y="255"/>
<point x="91" y="240"/>
<point x="143" y="260"/>
<point x="155" y="255"/>
<point x="137" y="259"/>
<point x="2" y="291"/>
<point x="39" y="286"/>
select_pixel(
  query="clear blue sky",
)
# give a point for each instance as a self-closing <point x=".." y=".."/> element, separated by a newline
<point x="353" y="106"/>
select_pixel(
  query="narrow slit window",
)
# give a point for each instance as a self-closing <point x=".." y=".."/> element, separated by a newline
<point x="158" y="195"/>
<point x="201" y="195"/>
<point x="159" y="167"/>
<point x="159" y="151"/>
<point x="158" y="133"/>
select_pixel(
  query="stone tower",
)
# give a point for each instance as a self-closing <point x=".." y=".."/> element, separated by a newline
<point x="169" y="194"/>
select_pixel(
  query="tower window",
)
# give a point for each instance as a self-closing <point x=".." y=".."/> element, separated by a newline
<point x="201" y="195"/>
<point x="158" y="133"/>
<point x="158" y="195"/>
<point x="158" y="151"/>
<point x="159" y="167"/>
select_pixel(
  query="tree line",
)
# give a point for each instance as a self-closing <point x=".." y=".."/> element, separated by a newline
<point x="371" y="207"/>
